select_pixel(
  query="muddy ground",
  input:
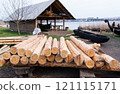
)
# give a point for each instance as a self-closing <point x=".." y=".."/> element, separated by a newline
<point x="112" y="47"/>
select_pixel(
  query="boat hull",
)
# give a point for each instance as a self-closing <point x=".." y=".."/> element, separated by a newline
<point x="91" y="36"/>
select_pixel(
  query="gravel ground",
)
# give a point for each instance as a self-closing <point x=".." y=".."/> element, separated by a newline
<point x="112" y="48"/>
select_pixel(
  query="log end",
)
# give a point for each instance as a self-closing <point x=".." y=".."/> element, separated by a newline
<point x="24" y="60"/>
<point x="21" y="52"/>
<point x="47" y="52"/>
<point x="69" y="59"/>
<point x="6" y="55"/>
<point x="28" y="53"/>
<point x="99" y="64"/>
<point x="2" y="62"/>
<point x="51" y="58"/>
<point x="91" y="53"/>
<point x="34" y="57"/>
<point x="78" y="60"/>
<point x="32" y="62"/>
<point x="58" y="58"/>
<point x="114" y="64"/>
<point x="64" y="54"/>
<point x="55" y="50"/>
<point x="90" y="64"/>
<point x="42" y="60"/>
<point x="13" y="50"/>
<point x="14" y="59"/>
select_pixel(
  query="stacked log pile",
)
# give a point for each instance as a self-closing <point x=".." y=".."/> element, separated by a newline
<point x="40" y="51"/>
<point x="13" y="40"/>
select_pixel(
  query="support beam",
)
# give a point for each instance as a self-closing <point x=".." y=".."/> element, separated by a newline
<point x="47" y="21"/>
<point x="55" y="23"/>
<point x="36" y="23"/>
<point x="63" y="23"/>
<point x="40" y="21"/>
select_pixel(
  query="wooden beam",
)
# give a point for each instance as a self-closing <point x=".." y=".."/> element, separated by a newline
<point x="63" y="23"/>
<point x="47" y="21"/>
<point x="36" y="23"/>
<point x="55" y="23"/>
<point x="40" y="21"/>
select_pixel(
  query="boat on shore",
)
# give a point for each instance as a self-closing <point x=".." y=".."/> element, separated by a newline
<point x="116" y="29"/>
<point x="97" y="38"/>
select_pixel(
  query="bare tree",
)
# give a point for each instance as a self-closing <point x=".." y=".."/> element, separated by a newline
<point x="16" y="11"/>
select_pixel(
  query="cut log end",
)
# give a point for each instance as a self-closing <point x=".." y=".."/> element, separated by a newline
<point x="13" y="50"/>
<point x="47" y="52"/>
<point x="99" y="64"/>
<point x="32" y="62"/>
<point x="34" y="57"/>
<point x="42" y="60"/>
<point x="58" y="58"/>
<point x="114" y="64"/>
<point x="6" y="55"/>
<point x="2" y="62"/>
<point x="28" y="53"/>
<point x="69" y="59"/>
<point x="55" y="50"/>
<point x="91" y="53"/>
<point x="90" y="64"/>
<point x="21" y="52"/>
<point x="24" y="60"/>
<point x="14" y="59"/>
<point x="78" y="60"/>
<point x="51" y="58"/>
<point x="64" y="54"/>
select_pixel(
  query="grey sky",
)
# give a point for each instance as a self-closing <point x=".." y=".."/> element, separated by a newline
<point x="88" y="8"/>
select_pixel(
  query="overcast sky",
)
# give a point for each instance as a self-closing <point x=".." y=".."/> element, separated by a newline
<point x="87" y="8"/>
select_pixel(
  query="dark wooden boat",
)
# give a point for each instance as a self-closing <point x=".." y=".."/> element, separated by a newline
<point x="116" y="29"/>
<point x="91" y="36"/>
<point x="45" y="27"/>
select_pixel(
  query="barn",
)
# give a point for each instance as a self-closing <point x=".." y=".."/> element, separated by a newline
<point x="37" y="14"/>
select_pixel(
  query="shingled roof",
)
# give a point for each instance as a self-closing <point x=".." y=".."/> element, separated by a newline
<point x="33" y="11"/>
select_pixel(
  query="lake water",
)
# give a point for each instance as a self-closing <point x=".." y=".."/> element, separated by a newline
<point x="75" y="25"/>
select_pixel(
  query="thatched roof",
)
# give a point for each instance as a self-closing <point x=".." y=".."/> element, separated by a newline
<point x="33" y="11"/>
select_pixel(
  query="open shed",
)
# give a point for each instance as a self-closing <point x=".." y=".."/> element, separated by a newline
<point x="51" y="10"/>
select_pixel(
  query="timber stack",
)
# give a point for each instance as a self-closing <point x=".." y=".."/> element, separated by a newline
<point x="38" y="50"/>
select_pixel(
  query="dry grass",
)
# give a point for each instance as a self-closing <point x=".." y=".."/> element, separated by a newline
<point x="103" y="27"/>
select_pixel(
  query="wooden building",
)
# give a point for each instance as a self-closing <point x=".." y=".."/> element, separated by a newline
<point x="48" y="10"/>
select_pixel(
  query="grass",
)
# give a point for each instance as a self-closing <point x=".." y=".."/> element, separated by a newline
<point x="5" y="32"/>
<point x="117" y="37"/>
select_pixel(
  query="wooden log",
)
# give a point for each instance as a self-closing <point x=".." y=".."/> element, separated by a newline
<point x="77" y="56"/>
<point x="63" y="48"/>
<point x="42" y="58"/>
<point x="48" y="47"/>
<point x="21" y="51"/>
<point x="13" y="49"/>
<point x="113" y="63"/>
<point x="14" y="59"/>
<point x="2" y="62"/>
<point x="3" y="47"/>
<point x="32" y="62"/>
<point x="99" y="61"/>
<point x="55" y="46"/>
<point x="51" y="58"/>
<point x="7" y="55"/>
<point x="38" y="50"/>
<point x="9" y="43"/>
<point x="83" y="46"/>
<point x="69" y="58"/>
<point x="58" y="57"/>
<point x="29" y="51"/>
<point x="95" y="46"/>
<point x="24" y="60"/>
<point x="5" y="50"/>
<point x="87" y="60"/>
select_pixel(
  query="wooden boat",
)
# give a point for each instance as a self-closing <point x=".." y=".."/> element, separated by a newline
<point x="91" y="36"/>
<point x="116" y="29"/>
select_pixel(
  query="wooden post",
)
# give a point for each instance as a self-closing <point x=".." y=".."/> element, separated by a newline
<point x="47" y="21"/>
<point x="40" y="21"/>
<point x="63" y="23"/>
<point x="55" y="24"/>
<point x="36" y="23"/>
